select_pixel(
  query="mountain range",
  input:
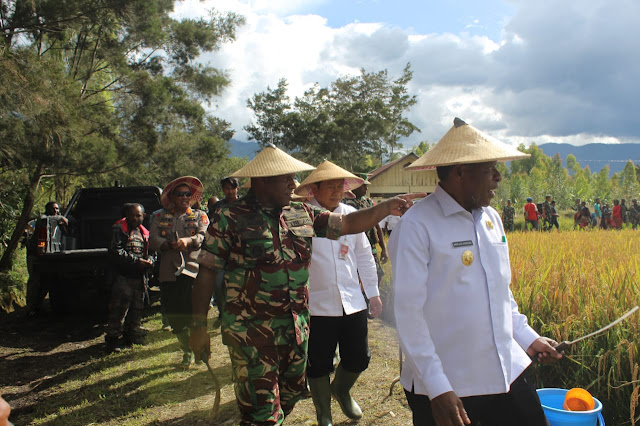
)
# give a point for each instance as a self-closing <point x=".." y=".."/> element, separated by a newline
<point x="594" y="155"/>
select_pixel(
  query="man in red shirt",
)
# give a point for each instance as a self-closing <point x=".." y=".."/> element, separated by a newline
<point x="530" y="215"/>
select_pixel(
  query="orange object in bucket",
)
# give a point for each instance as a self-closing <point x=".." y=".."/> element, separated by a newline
<point x="578" y="399"/>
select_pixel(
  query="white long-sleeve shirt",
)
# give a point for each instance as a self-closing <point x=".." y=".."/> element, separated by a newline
<point x="333" y="282"/>
<point x="458" y="325"/>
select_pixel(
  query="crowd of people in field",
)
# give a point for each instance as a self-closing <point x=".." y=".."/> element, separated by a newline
<point x="286" y="309"/>
<point x="544" y="216"/>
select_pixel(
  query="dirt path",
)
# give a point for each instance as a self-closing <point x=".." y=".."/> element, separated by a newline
<point x="48" y="366"/>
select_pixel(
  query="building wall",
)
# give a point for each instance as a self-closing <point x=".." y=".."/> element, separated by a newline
<point x="396" y="181"/>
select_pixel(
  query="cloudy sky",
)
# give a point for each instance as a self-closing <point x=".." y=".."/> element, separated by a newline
<point x="522" y="70"/>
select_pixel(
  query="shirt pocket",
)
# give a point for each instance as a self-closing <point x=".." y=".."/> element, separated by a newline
<point x="502" y="257"/>
<point x="257" y="247"/>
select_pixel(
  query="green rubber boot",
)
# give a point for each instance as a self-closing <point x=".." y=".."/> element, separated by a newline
<point x="187" y="356"/>
<point x="321" y="395"/>
<point x="342" y="384"/>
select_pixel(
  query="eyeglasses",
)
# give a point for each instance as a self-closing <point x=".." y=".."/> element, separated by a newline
<point x="182" y="194"/>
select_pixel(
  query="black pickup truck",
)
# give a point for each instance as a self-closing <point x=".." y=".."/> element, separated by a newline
<point x="74" y="262"/>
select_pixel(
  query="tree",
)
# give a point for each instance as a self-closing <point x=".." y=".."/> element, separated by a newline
<point x="422" y="148"/>
<point x="556" y="180"/>
<point x="354" y="121"/>
<point x="104" y="89"/>
<point x="572" y="164"/>
<point x="527" y="164"/>
<point x="628" y="183"/>
<point x="602" y="187"/>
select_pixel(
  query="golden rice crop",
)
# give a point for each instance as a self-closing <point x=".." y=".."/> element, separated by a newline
<point x="570" y="284"/>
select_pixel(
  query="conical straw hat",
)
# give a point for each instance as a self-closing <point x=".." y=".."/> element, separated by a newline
<point x="272" y="161"/>
<point x="194" y="184"/>
<point x="328" y="171"/>
<point x="464" y="144"/>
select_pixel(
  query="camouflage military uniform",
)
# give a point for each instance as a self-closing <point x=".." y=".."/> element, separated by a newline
<point x="546" y="214"/>
<point x="624" y="212"/>
<point x="634" y="214"/>
<point x="265" y="255"/>
<point x="508" y="215"/>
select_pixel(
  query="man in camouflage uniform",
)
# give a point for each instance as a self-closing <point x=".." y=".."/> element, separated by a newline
<point x="374" y="234"/>
<point x="177" y="231"/>
<point x="576" y="215"/>
<point x="263" y="243"/>
<point x="546" y="213"/>
<point x="634" y="213"/>
<point x="624" y="212"/>
<point x="508" y="216"/>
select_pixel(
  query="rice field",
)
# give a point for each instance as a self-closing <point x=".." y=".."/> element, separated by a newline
<point x="570" y="284"/>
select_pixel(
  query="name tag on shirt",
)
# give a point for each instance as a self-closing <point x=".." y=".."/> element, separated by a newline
<point x="344" y="249"/>
<point x="457" y="244"/>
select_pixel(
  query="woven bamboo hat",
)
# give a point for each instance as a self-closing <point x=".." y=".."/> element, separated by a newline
<point x="464" y="144"/>
<point x="272" y="161"/>
<point x="194" y="184"/>
<point x="328" y="171"/>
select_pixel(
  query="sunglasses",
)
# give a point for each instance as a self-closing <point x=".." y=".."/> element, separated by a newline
<point x="182" y="194"/>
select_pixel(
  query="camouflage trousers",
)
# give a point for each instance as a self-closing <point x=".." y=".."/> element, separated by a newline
<point x="268" y="381"/>
<point x="509" y="225"/>
<point x="127" y="300"/>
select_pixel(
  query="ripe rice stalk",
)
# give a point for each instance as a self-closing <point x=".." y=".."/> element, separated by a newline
<point x="570" y="284"/>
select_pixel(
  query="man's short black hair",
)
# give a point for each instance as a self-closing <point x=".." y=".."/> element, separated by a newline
<point x="230" y="180"/>
<point x="127" y="207"/>
<point x="49" y="206"/>
<point x="444" y="171"/>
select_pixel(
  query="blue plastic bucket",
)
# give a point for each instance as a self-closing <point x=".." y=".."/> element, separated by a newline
<point x="552" y="400"/>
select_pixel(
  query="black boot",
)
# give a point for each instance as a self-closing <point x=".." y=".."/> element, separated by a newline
<point x="134" y="339"/>
<point x="112" y="344"/>
<point x="187" y="356"/>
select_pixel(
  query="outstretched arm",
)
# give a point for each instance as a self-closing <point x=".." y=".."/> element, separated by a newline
<point x="365" y="219"/>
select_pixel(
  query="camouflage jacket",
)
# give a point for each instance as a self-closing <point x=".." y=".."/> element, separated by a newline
<point x="364" y="203"/>
<point x="508" y="214"/>
<point x="265" y="255"/>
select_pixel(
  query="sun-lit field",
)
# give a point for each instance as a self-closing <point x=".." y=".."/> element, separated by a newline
<point x="568" y="284"/>
<point x="572" y="283"/>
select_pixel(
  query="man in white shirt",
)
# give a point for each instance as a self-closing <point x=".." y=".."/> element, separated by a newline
<point x="466" y="345"/>
<point x="336" y="303"/>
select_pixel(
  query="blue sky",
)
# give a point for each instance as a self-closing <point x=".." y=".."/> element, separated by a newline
<point x="524" y="71"/>
<point x="421" y="17"/>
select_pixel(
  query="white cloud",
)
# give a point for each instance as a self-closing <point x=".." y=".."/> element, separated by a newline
<point x="562" y="72"/>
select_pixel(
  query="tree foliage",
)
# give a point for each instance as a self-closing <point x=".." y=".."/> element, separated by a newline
<point x="356" y="122"/>
<point x="541" y="175"/>
<point x="99" y="90"/>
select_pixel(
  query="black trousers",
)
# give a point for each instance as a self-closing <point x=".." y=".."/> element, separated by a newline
<point x="519" y="407"/>
<point x="178" y="299"/>
<point x="350" y="331"/>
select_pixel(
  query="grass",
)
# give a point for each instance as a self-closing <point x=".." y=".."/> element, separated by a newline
<point x="68" y="380"/>
<point x="567" y="283"/>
